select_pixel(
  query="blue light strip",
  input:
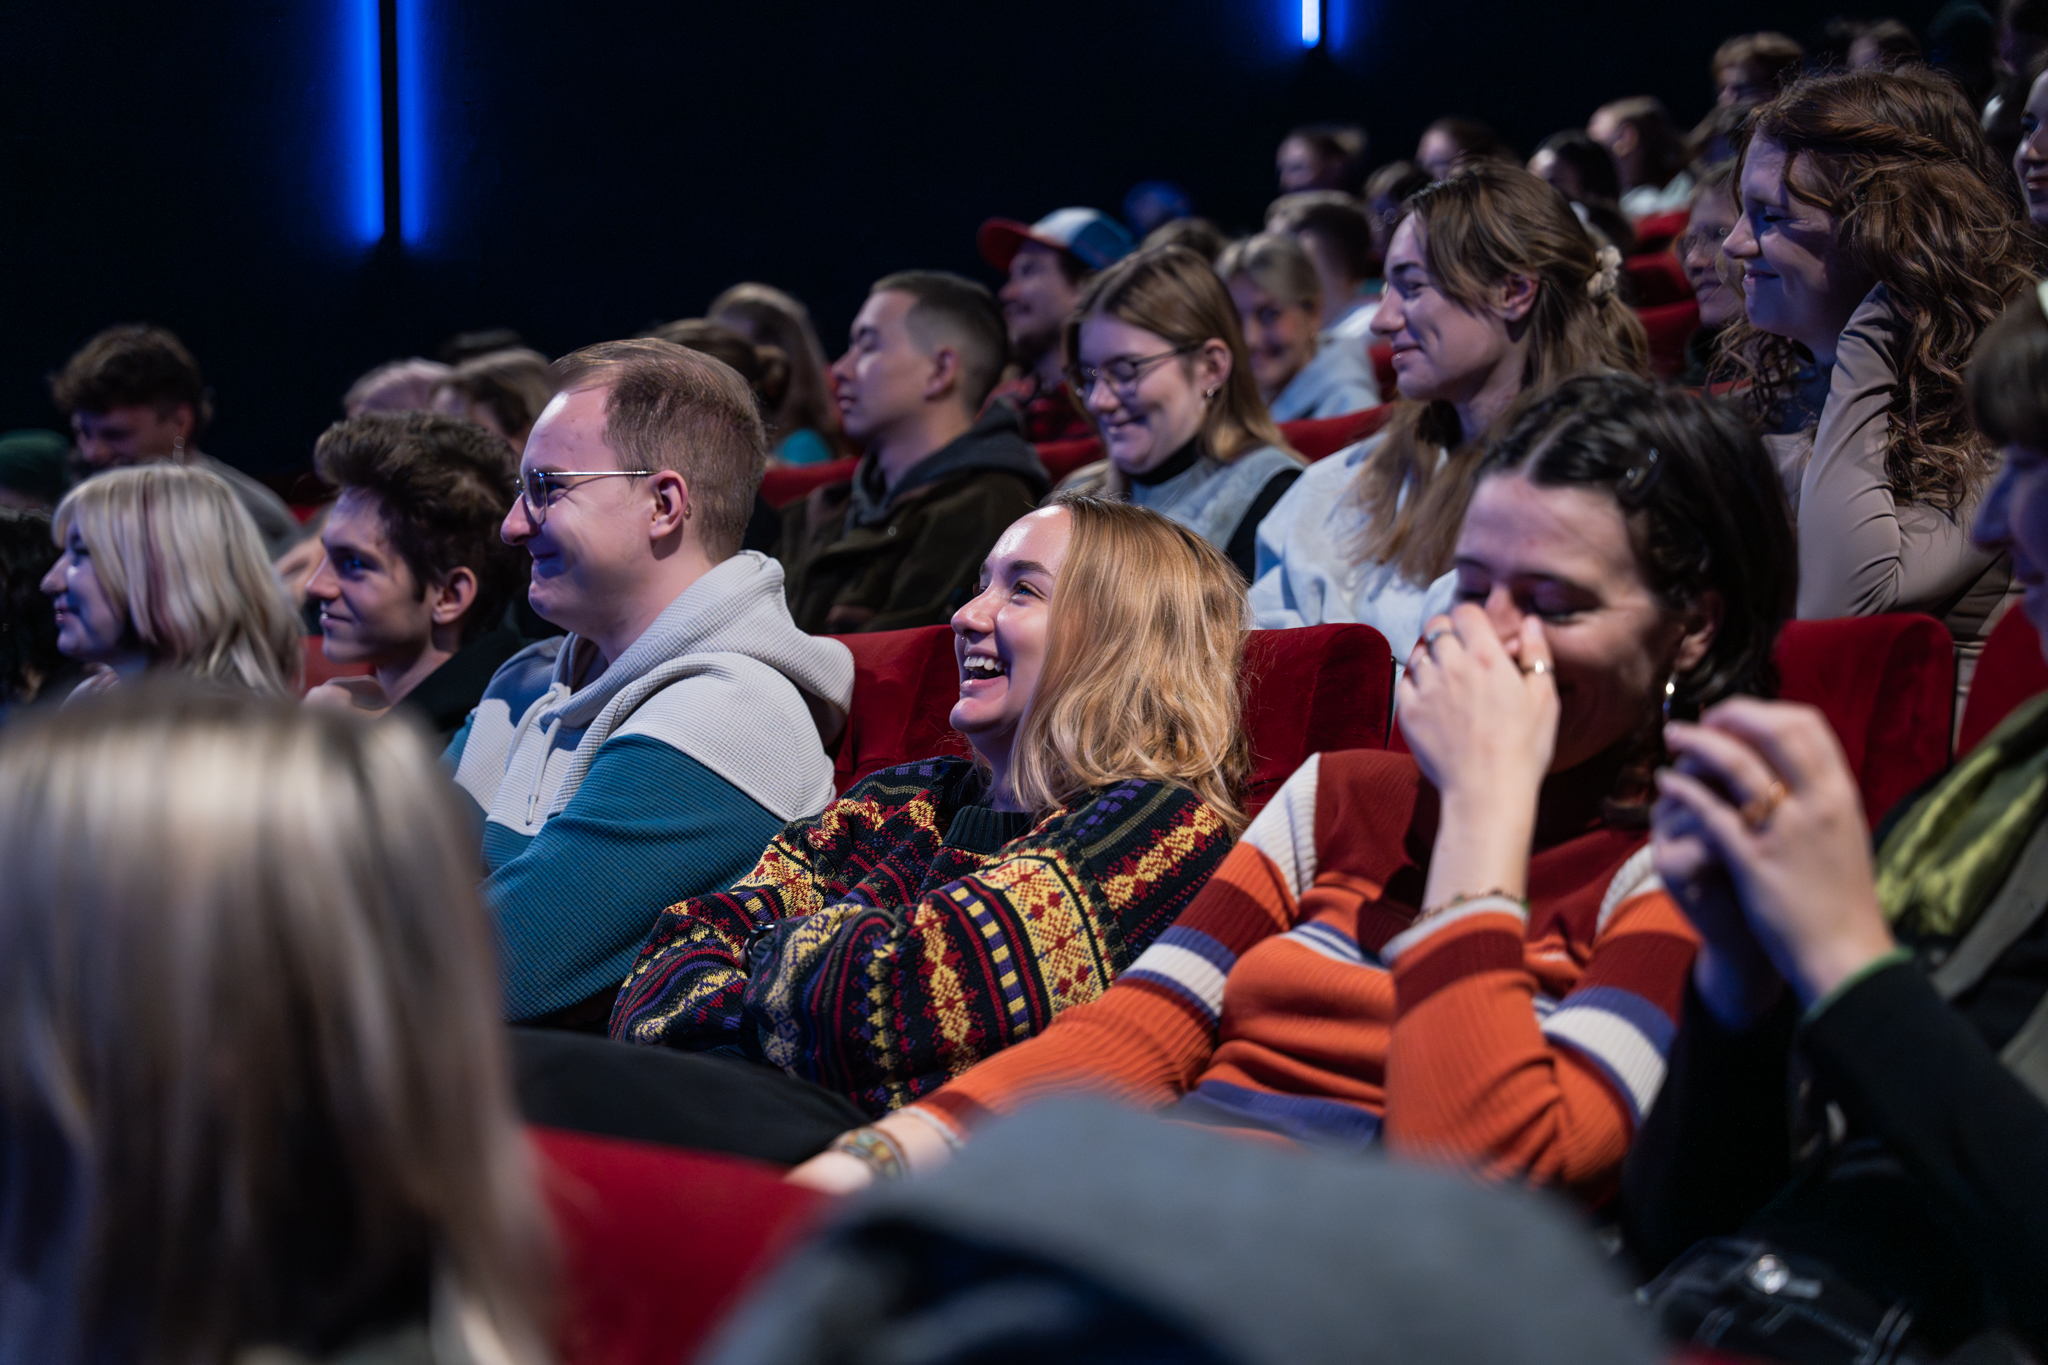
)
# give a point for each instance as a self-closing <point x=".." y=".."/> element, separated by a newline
<point x="412" y="126"/>
<point x="364" y="83"/>
<point x="1311" y="22"/>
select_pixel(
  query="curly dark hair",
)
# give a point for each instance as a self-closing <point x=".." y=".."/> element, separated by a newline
<point x="1899" y="160"/>
<point x="443" y="487"/>
<point x="28" y="623"/>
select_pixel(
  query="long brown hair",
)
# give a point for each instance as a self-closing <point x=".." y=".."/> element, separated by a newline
<point x="1478" y="227"/>
<point x="1146" y="644"/>
<point x="769" y="317"/>
<point x="1174" y="294"/>
<point x="253" y="1083"/>
<point x="1899" y="160"/>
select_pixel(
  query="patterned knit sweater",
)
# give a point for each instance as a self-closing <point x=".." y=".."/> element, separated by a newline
<point x="1297" y="997"/>
<point x="909" y="930"/>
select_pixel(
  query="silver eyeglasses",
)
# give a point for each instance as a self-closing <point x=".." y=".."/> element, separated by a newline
<point x="541" y="486"/>
<point x="1121" y="373"/>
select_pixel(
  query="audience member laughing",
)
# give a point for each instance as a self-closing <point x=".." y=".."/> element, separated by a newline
<point x="1049" y="263"/>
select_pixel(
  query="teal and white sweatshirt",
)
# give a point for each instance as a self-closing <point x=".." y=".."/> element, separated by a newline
<point x="659" y="780"/>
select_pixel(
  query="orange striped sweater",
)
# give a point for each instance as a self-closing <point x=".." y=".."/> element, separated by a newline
<point x="1296" y="996"/>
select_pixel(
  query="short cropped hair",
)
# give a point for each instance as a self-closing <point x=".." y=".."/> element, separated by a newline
<point x="129" y="365"/>
<point x="2008" y="376"/>
<point x="397" y="386"/>
<point x="953" y="308"/>
<point x="668" y="407"/>
<point x="1344" y="226"/>
<point x="1774" y="55"/>
<point x="443" y="487"/>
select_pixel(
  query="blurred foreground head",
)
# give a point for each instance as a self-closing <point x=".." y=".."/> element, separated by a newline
<point x="252" y="1084"/>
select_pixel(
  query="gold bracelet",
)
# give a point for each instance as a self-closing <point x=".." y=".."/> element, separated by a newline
<point x="876" y="1150"/>
<point x="1496" y="894"/>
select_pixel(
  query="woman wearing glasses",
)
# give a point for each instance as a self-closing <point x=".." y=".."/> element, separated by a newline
<point x="1493" y="291"/>
<point x="1708" y="272"/>
<point x="1157" y="357"/>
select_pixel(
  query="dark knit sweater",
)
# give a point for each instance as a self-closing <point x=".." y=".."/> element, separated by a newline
<point x="910" y="930"/>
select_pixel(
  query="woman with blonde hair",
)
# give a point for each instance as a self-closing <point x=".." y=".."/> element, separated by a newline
<point x="1877" y="239"/>
<point x="1302" y="371"/>
<point x="162" y="568"/>
<point x="1157" y="357"/>
<point x="803" y="426"/>
<point x="253" y="1090"/>
<point x="1494" y="291"/>
<point x="943" y="910"/>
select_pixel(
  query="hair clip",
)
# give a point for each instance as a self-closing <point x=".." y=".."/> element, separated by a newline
<point x="1636" y="479"/>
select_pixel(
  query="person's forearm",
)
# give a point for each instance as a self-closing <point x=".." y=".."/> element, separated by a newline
<point x="1482" y="845"/>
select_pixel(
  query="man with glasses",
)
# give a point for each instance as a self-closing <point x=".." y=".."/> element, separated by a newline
<point x="650" y="755"/>
<point x="901" y="543"/>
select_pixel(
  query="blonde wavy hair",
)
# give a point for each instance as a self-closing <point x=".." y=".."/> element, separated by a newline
<point x="1145" y="645"/>
<point x="1484" y="223"/>
<point x="253" y="1080"/>
<point x="177" y="555"/>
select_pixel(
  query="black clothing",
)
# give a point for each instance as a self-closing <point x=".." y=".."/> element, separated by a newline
<point x="445" y="697"/>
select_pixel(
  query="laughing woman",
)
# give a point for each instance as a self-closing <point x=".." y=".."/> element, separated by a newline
<point x="941" y="911"/>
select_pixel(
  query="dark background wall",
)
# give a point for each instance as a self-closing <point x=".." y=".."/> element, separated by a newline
<point x="586" y="170"/>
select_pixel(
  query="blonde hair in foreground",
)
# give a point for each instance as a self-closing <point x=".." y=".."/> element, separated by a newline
<point x="177" y="555"/>
<point x="253" y="1084"/>
<point x="1145" y="644"/>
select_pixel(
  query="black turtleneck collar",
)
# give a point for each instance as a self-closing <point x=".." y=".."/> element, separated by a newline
<point x="1175" y="465"/>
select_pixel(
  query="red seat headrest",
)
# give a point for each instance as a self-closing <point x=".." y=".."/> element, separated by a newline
<point x="2009" y="671"/>
<point x="1887" y="685"/>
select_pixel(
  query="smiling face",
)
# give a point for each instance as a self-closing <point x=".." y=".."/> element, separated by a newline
<point x="1036" y="301"/>
<point x="2030" y="162"/>
<point x="90" y="628"/>
<point x="1300" y="167"/>
<point x="2015" y="517"/>
<point x="1705" y="232"/>
<point x="1280" y="336"/>
<point x="1437" y="154"/>
<point x="1796" y="281"/>
<point x="1442" y="349"/>
<point x="589" y="552"/>
<point x="999" y="638"/>
<point x="1145" y="424"/>
<point x="1563" y="555"/>
<point x="372" y="608"/>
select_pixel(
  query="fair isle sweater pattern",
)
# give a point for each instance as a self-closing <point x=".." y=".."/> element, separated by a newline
<point x="909" y="931"/>
<point x="1298" y="996"/>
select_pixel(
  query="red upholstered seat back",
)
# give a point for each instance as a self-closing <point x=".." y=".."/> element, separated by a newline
<point x="1062" y="458"/>
<point x="904" y="685"/>
<point x="1318" y="437"/>
<point x="657" y="1244"/>
<point x="1657" y="231"/>
<point x="1887" y="685"/>
<point x="1670" y="326"/>
<point x="1307" y="691"/>
<point x="2009" y="671"/>
<point x="1381" y="353"/>
<point x="786" y="484"/>
<point x="1656" y="278"/>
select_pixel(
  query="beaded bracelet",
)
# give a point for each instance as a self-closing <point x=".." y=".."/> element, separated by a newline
<point x="937" y="1125"/>
<point x="876" y="1150"/>
<point x="1470" y="898"/>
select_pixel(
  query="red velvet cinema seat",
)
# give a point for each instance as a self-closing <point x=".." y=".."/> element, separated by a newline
<point x="1307" y="691"/>
<point x="787" y="483"/>
<point x="1669" y="326"/>
<point x="1656" y="278"/>
<point x="1887" y="685"/>
<point x="1657" y="231"/>
<point x="2009" y="671"/>
<point x="656" y="1244"/>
